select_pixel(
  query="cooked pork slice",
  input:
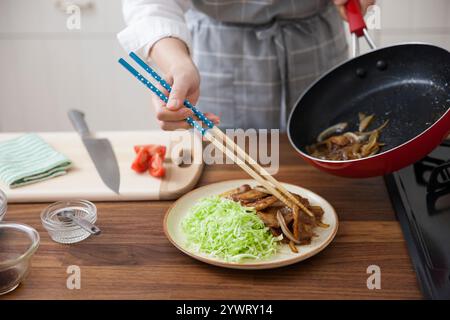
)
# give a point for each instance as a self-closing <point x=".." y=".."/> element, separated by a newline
<point x="262" y="189"/>
<point x="249" y="196"/>
<point x="303" y="201"/>
<point x="263" y="203"/>
<point x="306" y="219"/>
<point x="278" y="204"/>
<point x="276" y="231"/>
<point x="306" y="232"/>
<point x="269" y="219"/>
<point x="317" y="211"/>
<point x="241" y="189"/>
<point x="269" y="216"/>
<point x="287" y="214"/>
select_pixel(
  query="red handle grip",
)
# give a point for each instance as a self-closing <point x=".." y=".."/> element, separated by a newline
<point x="355" y="18"/>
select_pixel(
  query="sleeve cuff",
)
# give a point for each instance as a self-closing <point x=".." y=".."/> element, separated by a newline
<point x="142" y="35"/>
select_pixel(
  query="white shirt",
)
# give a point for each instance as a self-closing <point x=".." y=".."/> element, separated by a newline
<point x="151" y="20"/>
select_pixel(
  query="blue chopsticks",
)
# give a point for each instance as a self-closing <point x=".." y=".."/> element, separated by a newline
<point x="167" y="86"/>
<point x="257" y="172"/>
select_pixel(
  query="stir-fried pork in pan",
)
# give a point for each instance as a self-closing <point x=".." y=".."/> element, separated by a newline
<point x="279" y="217"/>
<point x="333" y="144"/>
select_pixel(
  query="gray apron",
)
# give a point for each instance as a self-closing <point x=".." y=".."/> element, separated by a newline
<point x="257" y="57"/>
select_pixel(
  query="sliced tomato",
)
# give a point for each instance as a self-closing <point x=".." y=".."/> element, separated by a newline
<point x="156" y="167"/>
<point x="152" y="149"/>
<point x="141" y="162"/>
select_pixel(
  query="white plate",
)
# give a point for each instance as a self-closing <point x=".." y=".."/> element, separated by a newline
<point x="284" y="256"/>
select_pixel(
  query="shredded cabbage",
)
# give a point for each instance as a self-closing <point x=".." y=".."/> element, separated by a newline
<point x="225" y="229"/>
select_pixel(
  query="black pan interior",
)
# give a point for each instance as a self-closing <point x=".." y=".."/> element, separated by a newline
<point x="412" y="90"/>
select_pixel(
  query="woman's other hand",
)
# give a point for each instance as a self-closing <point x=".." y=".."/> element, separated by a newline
<point x="364" y="5"/>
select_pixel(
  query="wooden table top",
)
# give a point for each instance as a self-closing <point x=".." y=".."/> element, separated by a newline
<point x="132" y="259"/>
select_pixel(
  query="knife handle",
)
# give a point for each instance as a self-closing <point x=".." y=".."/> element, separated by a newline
<point x="78" y="122"/>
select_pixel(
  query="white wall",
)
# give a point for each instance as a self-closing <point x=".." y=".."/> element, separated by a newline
<point x="414" y="20"/>
<point x="45" y="69"/>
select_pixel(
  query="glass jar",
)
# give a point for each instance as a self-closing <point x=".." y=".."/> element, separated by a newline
<point x="66" y="231"/>
<point x="18" y="243"/>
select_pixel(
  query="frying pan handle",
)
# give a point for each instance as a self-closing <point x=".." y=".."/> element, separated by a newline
<point x="355" y="18"/>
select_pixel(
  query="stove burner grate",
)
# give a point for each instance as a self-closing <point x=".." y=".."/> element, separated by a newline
<point x="420" y="195"/>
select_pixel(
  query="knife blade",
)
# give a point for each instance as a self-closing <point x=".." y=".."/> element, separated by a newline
<point x="100" y="151"/>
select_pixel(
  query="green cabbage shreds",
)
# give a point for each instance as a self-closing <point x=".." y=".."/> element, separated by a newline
<point x="227" y="230"/>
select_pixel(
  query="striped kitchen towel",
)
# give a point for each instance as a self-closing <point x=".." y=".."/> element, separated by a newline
<point x="29" y="159"/>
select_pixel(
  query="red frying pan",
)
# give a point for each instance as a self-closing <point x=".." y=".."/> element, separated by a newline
<point x="409" y="84"/>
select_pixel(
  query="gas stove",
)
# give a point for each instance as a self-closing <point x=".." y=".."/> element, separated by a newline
<point x="420" y="195"/>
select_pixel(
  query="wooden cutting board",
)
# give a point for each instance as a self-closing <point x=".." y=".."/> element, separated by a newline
<point x="83" y="181"/>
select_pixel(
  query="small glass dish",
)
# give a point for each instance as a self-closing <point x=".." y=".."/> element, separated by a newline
<point x="18" y="243"/>
<point x="3" y="204"/>
<point x="67" y="231"/>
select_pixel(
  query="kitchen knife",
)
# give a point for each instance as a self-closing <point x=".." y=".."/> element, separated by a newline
<point x="100" y="151"/>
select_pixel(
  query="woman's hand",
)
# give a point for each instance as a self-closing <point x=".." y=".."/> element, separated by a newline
<point x="340" y="4"/>
<point x="173" y="59"/>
